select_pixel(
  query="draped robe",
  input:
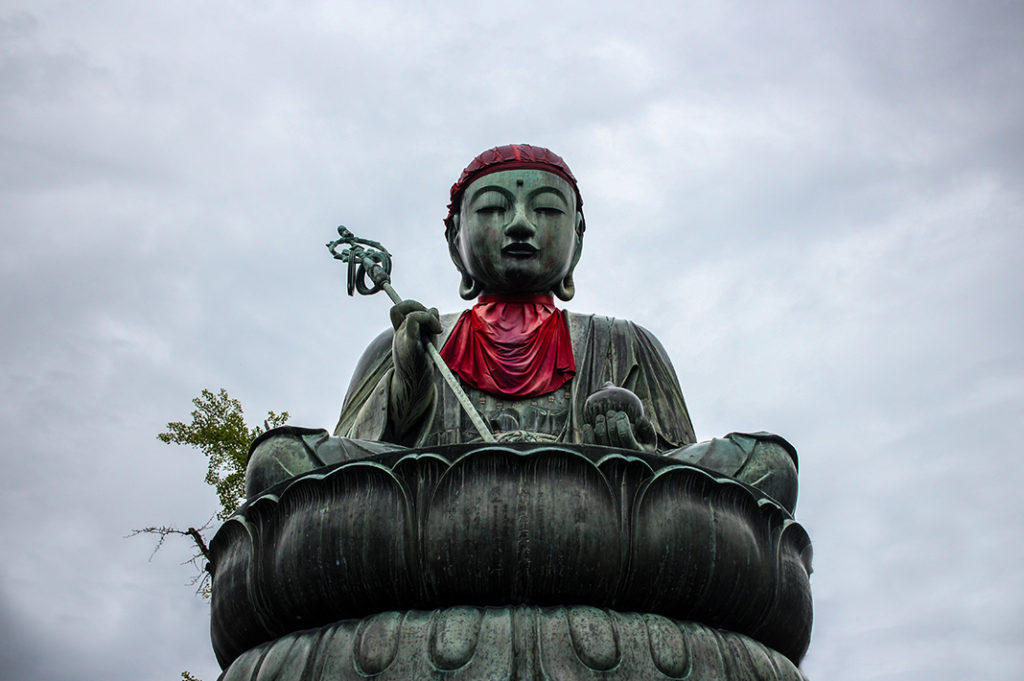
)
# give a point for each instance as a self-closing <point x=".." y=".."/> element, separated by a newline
<point x="605" y="350"/>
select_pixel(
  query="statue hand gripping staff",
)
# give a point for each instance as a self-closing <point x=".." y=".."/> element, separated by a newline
<point x="375" y="262"/>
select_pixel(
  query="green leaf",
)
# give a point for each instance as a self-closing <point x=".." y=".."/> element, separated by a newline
<point x="218" y="429"/>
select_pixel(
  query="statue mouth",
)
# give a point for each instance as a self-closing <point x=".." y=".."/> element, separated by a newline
<point x="520" y="249"/>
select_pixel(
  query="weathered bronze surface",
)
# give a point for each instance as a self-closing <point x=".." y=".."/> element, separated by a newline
<point x="491" y="525"/>
<point x="594" y="540"/>
<point x="518" y="643"/>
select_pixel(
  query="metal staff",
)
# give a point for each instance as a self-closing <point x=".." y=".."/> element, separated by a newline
<point x="374" y="262"/>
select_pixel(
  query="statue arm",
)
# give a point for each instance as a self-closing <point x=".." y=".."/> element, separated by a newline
<point x="364" y="412"/>
<point x="413" y="395"/>
<point x="658" y="386"/>
<point x="628" y="356"/>
<point x="392" y="395"/>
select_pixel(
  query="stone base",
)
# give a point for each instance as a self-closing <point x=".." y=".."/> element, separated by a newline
<point x="515" y="644"/>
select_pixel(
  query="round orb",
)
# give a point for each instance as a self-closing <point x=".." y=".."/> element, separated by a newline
<point x="613" y="398"/>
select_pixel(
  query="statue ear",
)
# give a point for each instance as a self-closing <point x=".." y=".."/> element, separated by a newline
<point x="566" y="288"/>
<point x="469" y="288"/>
<point x="453" y="242"/>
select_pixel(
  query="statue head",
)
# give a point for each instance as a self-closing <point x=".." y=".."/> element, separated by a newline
<point x="515" y="223"/>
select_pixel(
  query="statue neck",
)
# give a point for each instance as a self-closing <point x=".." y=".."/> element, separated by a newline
<point x="523" y="298"/>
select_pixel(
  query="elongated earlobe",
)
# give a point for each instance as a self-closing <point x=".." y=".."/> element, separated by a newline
<point x="469" y="288"/>
<point x="566" y="288"/>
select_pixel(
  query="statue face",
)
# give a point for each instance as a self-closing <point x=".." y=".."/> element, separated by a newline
<point x="517" y="231"/>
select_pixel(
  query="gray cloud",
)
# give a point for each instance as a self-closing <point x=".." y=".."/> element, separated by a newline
<point x="817" y="209"/>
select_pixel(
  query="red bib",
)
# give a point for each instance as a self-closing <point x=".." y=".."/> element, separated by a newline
<point x="512" y="346"/>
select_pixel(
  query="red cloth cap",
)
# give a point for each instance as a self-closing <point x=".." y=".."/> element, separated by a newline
<point x="511" y="157"/>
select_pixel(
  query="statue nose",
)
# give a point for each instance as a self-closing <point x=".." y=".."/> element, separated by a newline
<point x="520" y="227"/>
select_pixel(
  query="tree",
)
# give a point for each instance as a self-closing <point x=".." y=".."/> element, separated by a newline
<point x="218" y="429"/>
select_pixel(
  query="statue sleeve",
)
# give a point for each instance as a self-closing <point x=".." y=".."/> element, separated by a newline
<point x="364" y="414"/>
<point x="629" y="356"/>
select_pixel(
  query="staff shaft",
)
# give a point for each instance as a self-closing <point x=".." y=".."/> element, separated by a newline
<point x="380" y="277"/>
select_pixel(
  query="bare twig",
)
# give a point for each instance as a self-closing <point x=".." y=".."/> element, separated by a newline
<point x="199" y="560"/>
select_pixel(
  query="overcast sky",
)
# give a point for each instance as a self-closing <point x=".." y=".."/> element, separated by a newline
<point x="817" y="207"/>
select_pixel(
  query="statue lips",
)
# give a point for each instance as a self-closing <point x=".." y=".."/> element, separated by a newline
<point x="520" y="249"/>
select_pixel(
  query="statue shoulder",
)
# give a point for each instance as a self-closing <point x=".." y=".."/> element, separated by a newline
<point x="378" y="351"/>
<point x="613" y="328"/>
<point x="448" y="320"/>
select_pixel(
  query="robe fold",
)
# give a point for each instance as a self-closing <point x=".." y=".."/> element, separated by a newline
<point x="605" y="350"/>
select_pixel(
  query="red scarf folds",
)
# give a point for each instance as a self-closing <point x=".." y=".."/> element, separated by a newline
<point x="513" y="346"/>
